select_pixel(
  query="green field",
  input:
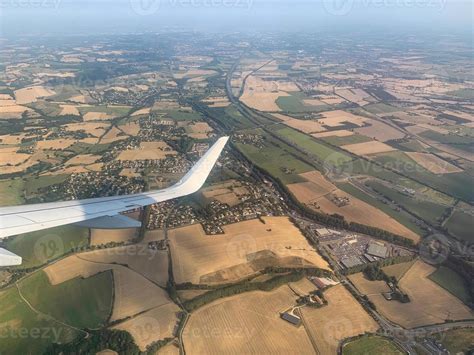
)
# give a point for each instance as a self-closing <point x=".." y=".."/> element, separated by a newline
<point x="381" y="108"/>
<point x="309" y="144"/>
<point x="178" y="115"/>
<point x="35" y="183"/>
<point x="39" y="247"/>
<point x="11" y="192"/>
<point x="25" y="332"/>
<point x="452" y="282"/>
<point x="458" y="340"/>
<point x="355" y="138"/>
<point x="275" y="158"/>
<point x="295" y="103"/>
<point x="361" y="195"/>
<point x="464" y="93"/>
<point x="111" y="110"/>
<point x="82" y="303"/>
<point x="461" y="225"/>
<point x="428" y="211"/>
<point x="231" y="118"/>
<point x="371" y="345"/>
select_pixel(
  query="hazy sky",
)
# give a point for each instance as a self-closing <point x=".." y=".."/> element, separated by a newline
<point x="106" y="16"/>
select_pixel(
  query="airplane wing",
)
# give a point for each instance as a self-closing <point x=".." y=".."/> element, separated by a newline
<point x="97" y="211"/>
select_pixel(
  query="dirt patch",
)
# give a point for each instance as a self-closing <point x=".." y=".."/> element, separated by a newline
<point x="434" y="164"/>
<point x="368" y="148"/>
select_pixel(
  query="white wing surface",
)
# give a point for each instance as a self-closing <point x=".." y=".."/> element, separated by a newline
<point x="28" y="218"/>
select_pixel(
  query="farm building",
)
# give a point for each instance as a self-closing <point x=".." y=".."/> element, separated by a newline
<point x="293" y="319"/>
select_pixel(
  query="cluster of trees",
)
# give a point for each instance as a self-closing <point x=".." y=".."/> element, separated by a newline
<point x="291" y="275"/>
<point x="117" y="340"/>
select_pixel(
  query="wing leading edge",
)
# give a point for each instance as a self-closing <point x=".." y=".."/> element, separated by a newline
<point x="28" y="218"/>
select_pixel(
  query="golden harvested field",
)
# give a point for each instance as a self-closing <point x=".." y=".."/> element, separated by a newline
<point x="72" y="267"/>
<point x="143" y="111"/>
<point x="169" y="349"/>
<point x="245" y="248"/>
<point x="69" y="110"/>
<point x="357" y="96"/>
<point x="77" y="169"/>
<point x="366" y="286"/>
<point x="153" y="264"/>
<point x="114" y="134"/>
<point x="331" y="100"/>
<point x="13" y="111"/>
<point x="380" y="131"/>
<point x="338" y="118"/>
<point x="131" y="128"/>
<point x="367" y="148"/>
<point x="305" y="126"/>
<point x="153" y="235"/>
<point x="339" y="133"/>
<point x="306" y="192"/>
<point x="261" y="94"/>
<point x="97" y="116"/>
<point x="227" y="192"/>
<point x="30" y="94"/>
<point x="83" y="159"/>
<point x="343" y="317"/>
<point x="434" y="164"/>
<point x="147" y="151"/>
<point x="398" y="270"/>
<point x="9" y="156"/>
<point x="248" y="323"/>
<point x="430" y="303"/>
<point x="361" y="212"/>
<point x="135" y="294"/>
<point x="302" y="287"/>
<point x="55" y="144"/>
<point x="12" y="139"/>
<point x="152" y="326"/>
<point x="104" y="236"/>
<point x="318" y="191"/>
<point x="95" y="129"/>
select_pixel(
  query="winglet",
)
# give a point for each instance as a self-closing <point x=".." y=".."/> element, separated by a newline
<point x="7" y="258"/>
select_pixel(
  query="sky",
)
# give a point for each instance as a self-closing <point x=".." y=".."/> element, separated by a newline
<point x="34" y="17"/>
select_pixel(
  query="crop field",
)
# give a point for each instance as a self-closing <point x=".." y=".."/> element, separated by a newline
<point x="461" y="225"/>
<point x="371" y="345"/>
<point x="245" y="248"/>
<point x="309" y="144"/>
<point x="11" y="192"/>
<point x="305" y="126"/>
<point x="401" y="218"/>
<point x="275" y="159"/>
<point x="39" y="247"/>
<point x="298" y="102"/>
<point x="153" y="264"/>
<point x="104" y="236"/>
<point x="380" y="131"/>
<point x="398" y="270"/>
<point x="458" y="340"/>
<point x="368" y="287"/>
<point x="151" y="326"/>
<point x="442" y="305"/>
<point x="82" y="303"/>
<point x="16" y="316"/>
<point x="452" y="282"/>
<point x="343" y="317"/>
<point x="429" y="211"/>
<point x="367" y="148"/>
<point x="433" y="163"/>
<point x="246" y="323"/>
<point x="340" y="140"/>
